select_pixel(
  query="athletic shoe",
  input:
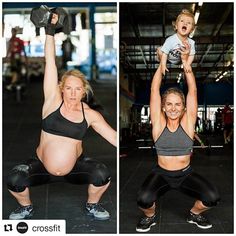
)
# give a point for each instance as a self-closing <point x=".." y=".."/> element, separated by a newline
<point x="97" y="211"/>
<point x="145" y="223"/>
<point x="199" y="220"/>
<point x="22" y="212"/>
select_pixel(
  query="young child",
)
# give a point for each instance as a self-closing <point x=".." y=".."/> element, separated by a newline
<point x="171" y="49"/>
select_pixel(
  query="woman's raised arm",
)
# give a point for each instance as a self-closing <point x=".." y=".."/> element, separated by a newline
<point x="50" y="84"/>
<point x="191" y="99"/>
<point x="155" y="98"/>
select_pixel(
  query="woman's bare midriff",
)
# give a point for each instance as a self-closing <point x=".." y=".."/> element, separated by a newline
<point x="173" y="162"/>
<point x="58" y="154"/>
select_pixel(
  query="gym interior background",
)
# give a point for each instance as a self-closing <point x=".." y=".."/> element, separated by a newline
<point x="93" y="38"/>
<point x="143" y="28"/>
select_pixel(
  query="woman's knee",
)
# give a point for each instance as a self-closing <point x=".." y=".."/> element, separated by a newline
<point x="101" y="175"/>
<point x="145" y="199"/>
<point x="212" y="198"/>
<point x="17" y="178"/>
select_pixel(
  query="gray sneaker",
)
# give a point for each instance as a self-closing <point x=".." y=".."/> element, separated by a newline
<point x="97" y="211"/>
<point x="22" y="212"/>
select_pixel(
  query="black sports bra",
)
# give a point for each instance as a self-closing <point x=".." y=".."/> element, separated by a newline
<point x="56" y="124"/>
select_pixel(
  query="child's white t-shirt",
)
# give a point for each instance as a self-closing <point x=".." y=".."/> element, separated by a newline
<point x="171" y="45"/>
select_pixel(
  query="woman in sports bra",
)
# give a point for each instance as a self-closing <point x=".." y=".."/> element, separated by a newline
<point x="65" y="120"/>
<point x="173" y="121"/>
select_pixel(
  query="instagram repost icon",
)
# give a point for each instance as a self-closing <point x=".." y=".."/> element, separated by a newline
<point x="22" y="227"/>
<point x="8" y="227"/>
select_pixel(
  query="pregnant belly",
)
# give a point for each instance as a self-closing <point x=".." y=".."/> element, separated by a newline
<point x="59" y="161"/>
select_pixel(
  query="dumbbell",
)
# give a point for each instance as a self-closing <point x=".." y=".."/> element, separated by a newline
<point x="42" y="16"/>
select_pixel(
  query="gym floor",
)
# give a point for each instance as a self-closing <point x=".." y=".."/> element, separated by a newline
<point x="21" y="129"/>
<point x="135" y="164"/>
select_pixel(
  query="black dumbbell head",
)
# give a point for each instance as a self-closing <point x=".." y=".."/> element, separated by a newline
<point x="40" y="16"/>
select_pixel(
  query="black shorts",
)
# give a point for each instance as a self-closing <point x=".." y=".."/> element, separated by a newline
<point x="228" y="127"/>
<point x="16" y="65"/>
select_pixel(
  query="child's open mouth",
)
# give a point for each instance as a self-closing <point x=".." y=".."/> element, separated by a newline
<point x="184" y="28"/>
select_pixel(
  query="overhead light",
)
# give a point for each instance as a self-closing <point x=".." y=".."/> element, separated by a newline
<point x="197" y="14"/>
<point x="220" y="76"/>
<point x="179" y="77"/>
<point x="200" y="4"/>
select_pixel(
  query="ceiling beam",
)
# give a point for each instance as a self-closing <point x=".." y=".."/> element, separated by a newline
<point x="136" y="31"/>
<point x="160" y="40"/>
<point x="155" y="62"/>
<point x="174" y="70"/>
<point x="217" y="30"/>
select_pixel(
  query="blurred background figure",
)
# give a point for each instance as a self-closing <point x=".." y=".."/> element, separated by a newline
<point x="16" y="53"/>
<point x="227" y="119"/>
<point x="67" y="49"/>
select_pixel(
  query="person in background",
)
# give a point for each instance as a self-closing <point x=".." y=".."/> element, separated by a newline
<point x="16" y="53"/>
<point x="227" y="119"/>
<point x="67" y="49"/>
<point x="199" y="140"/>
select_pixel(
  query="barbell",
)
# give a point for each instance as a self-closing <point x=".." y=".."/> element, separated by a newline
<point x="208" y="148"/>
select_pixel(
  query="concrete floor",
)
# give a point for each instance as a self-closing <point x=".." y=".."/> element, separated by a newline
<point x="21" y="129"/>
<point x="173" y="206"/>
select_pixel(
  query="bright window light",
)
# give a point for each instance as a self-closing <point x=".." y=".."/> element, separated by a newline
<point x="196" y="16"/>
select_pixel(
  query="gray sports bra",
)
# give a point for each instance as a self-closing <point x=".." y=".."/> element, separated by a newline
<point x="176" y="143"/>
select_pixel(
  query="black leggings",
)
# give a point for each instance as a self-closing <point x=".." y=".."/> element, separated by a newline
<point x="33" y="173"/>
<point x="185" y="180"/>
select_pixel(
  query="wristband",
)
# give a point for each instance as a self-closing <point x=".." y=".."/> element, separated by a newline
<point x="50" y="29"/>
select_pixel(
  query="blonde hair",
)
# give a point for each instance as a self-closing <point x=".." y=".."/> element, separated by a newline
<point x="184" y="12"/>
<point x="176" y="91"/>
<point x="78" y="74"/>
